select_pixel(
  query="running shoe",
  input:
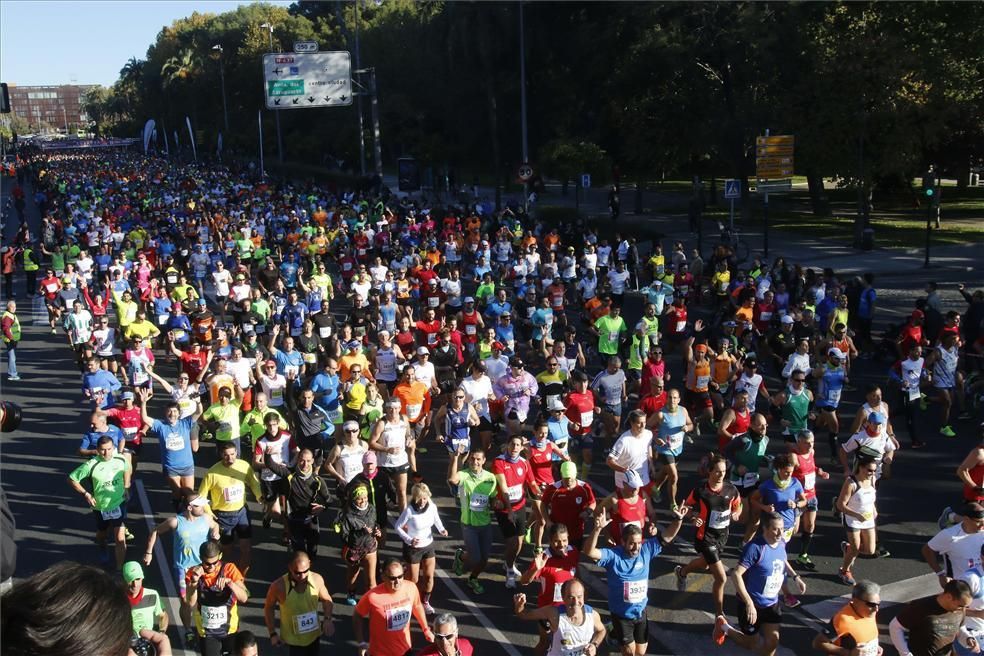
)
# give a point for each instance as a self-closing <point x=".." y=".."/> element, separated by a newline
<point x="720" y="631"/>
<point x="14" y="378"/>
<point x="681" y="579"/>
<point x="476" y="585"/>
<point x="845" y="576"/>
<point x="458" y="567"/>
<point x="130" y="537"/>
<point x="790" y="601"/>
<point x="947" y="431"/>
<point x="516" y="572"/>
<point x="428" y="609"/>
<point x="882" y="552"/>
<point x="351" y="600"/>
<point x="510" y="580"/>
<point x="806" y="562"/>
<point x="656" y="495"/>
<point x="191" y="639"/>
<point x="944" y="519"/>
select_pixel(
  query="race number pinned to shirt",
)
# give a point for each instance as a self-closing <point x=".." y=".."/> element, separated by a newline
<point x="234" y="493"/>
<point x="397" y="618"/>
<point x="306" y="622"/>
<point x="214" y="617"/>
<point x="635" y="592"/>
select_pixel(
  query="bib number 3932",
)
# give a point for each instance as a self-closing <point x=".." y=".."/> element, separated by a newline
<point x="634" y="592"/>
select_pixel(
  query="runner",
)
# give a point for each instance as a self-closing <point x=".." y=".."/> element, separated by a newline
<point x="853" y="629"/>
<point x="514" y="478"/>
<point x="671" y="423"/>
<point x="627" y="573"/>
<point x="297" y="596"/>
<point x="575" y="627"/>
<point x="569" y="501"/>
<point x="807" y="472"/>
<point x="109" y="475"/>
<point x="856" y="503"/>
<point x="146" y="610"/>
<point x="215" y="589"/>
<point x="389" y="439"/>
<point x="446" y="639"/>
<point x="192" y="528"/>
<point x="759" y="577"/>
<point x="475" y="487"/>
<point x="360" y="539"/>
<point x="960" y="545"/>
<point x="388" y="607"/>
<point x="415" y="527"/>
<point x="832" y="377"/>
<point x="713" y="507"/>
<point x="225" y="486"/>
<point x="930" y="625"/>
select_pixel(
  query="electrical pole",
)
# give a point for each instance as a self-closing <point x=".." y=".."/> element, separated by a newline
<point x="225" y="107"/>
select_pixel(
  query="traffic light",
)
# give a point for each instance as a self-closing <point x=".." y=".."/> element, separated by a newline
<point x="4" y="99"/>
<point x="931" y="188"/>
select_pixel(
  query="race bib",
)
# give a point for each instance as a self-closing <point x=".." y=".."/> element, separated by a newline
<point x="612" y="335"/>
<point x="558" y="301"/>
<point x="557" y="596"/>
<point x="324" y="332"/>
<point x="291" y="370"/>
<point x="587" y="418"/>
<point x="174" y="442"/>
<point x="397" y="618"/>
<point x="361" y="251"/>
<point x="335" y="416"/>
<point x="514" y="492"/>
<point x="765" y="316"/>
<point x="470" y="329"/>
<point x="235" y="493"/>
<point x="834" y="396"/>
<point x="161" y="319"/>
<point x="773" y="584"/>
<point x="51" y="287"/>
<point x="478" y="502"/>
<point x="115" y="513"/>
<point x="634" y="592"/>
<point x="809" y="481"/>
<point x="869" y="648"/>
<point x="749" y="479"/>
<point x="433" y="301"/>
<point x="719" y="519"/>
<point x="178" y="334"/>
<point x="214" y="617"/>
<point x="310" y="358"/>
<point x="681" y="326"/>
<point x="914" y="393"/>
<point x="347" y="266"/>
<point x="306" y="622"/>
<point x="702" y="381"/>
<point x="130" y="431"/>
<point x="413" y="410"/>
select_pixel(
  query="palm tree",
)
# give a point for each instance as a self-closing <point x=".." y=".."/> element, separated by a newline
<point x="183" y="66"/>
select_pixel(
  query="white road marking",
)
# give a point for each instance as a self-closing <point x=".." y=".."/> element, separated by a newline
<point x="897" y="592"/>
<point x="160" y="558"/>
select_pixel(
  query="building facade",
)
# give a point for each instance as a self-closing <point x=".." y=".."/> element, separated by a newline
<point x="50" y="108"/>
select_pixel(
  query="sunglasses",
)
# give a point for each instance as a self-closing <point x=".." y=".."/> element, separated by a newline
<point x="211" y="565"/>
<point x="873" y="605"/>
<point x="349" y="430"/>
<point x="392" y="579"/>
<point x="301" y="572"/>
<point x="445" y="636"/>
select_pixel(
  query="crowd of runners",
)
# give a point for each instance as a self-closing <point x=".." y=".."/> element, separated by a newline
<point x="311" y="349"/>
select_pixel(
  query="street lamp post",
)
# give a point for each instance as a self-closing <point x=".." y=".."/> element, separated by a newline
<point x="225" y="107"/>
<point x="276" y="113"/>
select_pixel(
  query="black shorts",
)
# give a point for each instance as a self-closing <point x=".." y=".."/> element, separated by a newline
<point x="626" y="631"/>
<point x="393" y="471"/>
<point x="232" y="525"/>
<point x="416" y="554"/>
<point x="113" y="518"/>
<point x="512" y="524"/>
<point x="711" y="546"/>
<point x="665" y="458"/>
<point x="745" y="492"/>
<point x="484" y="425"/>
<point x="273" y="489"/>
<point x="765" y="615"/>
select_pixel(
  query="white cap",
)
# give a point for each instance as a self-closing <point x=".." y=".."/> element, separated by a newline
<point x="423" y="350"/>
<point x="787" y="319"/>
<point x="555" y="404"/>
<point x="836" y="352"/>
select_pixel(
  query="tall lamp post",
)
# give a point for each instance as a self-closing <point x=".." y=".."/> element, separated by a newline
<point x="276" y="113"/>
<point x="225" y="108"/>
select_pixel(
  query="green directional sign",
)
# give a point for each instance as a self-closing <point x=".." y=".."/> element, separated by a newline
<point x="285" y="87"/>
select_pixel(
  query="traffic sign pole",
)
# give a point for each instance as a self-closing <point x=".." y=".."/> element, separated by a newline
<point x="731" y="218"/>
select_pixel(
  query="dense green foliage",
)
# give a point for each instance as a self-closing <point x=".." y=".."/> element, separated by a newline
<point x="873" y="92"/>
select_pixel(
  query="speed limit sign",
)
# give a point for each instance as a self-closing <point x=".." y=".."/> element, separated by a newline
<point x="525" y="172"/>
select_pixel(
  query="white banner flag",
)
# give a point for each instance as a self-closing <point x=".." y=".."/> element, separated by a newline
<point x="191" y="135"/>
<point x="147" y="132"/>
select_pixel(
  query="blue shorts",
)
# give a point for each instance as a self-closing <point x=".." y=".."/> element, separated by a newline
<point x="233" y="524"/>
<point x="174" y="473"/>
<point x="478" y="542"/>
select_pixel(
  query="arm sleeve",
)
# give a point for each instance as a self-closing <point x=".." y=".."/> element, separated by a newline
<point x="897" y="633"/>
<point x="400" y="521"/>
<point x="437" y="518"/>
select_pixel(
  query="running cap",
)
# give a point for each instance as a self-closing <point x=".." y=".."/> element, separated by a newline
<point x="498" y="345"/>
<point x="555" y="404"/>
<point x="354" y="344"/>
<point x="369" y="457"/>
<point x="422" y="350"/>
<point x="132" y="571"/>
<point x="568" y="470"/>
<point x="127" y="395"/>
<point x="788" y="319"/>
<point x="201" y="301"/>
<point x="836" y="352"/>
<point x="469" y="299"/>
<point x="632" y="479"/>
<point x="876" y="418"/>
<point x="350" y="425"/>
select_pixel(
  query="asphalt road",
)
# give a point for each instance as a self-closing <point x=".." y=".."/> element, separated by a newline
<point x="53" y="525"/>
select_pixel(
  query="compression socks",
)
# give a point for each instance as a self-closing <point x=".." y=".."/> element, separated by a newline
<point x="807" y="541"/>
